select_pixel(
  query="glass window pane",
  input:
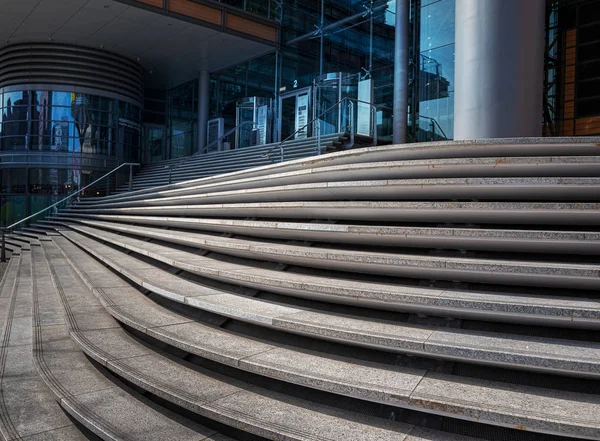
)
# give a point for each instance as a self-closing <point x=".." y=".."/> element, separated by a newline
<point x="437" y="24"/>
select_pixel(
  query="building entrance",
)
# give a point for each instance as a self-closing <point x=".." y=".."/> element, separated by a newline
<point x="294" y="114"/>
<point x="252" y="121"/>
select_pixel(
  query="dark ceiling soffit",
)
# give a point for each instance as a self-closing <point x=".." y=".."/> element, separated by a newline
<point x="222" y="27"/>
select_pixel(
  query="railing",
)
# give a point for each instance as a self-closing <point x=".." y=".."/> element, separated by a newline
<point x="434" y="124"/>
<point x="226" y="135"/>
<point x="316" y="123"/>
<point x="63" y="201"/>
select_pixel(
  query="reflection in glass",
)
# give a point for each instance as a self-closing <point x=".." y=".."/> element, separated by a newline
<point x="436" y="72"/>
<point x="80" y="126"/>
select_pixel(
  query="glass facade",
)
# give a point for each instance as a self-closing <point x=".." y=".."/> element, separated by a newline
<point x="436" y="71"/>
<point x="357" y="39"/>
<point x="68" y="122"/>
<point x="54" y="142"/>
<point x="182" y="120"/>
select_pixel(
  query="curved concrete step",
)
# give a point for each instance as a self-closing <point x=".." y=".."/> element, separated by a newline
<point x="547" y="213"/>
<point x="100" y="405"/>
<point x="423" y="169"/>
<point x="510" y="189"/>
<point x="510" y="307"/>
<point x="437" y="150"/>
<point x="532" y="353"/>
<point x="512" y="240"/>
<point x="249" y="408"/>
<point x="496" y="271"/>
<point x="512" y="405"/>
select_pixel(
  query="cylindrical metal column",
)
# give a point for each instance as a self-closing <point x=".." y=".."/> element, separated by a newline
<point x="499" y="68"/>
<point x="401" y="72"/>
<point x="203" y="101"/>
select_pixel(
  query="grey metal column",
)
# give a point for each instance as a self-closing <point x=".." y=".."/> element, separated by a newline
<point x="401" y="72"/>
<point x="499" y="68"/>
<point x="203" y="100"/>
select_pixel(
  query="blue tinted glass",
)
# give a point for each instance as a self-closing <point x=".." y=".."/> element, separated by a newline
<point x="437" y="24"/>
<point x="437" y="91"/>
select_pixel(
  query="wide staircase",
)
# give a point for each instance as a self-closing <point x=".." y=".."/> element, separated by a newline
<point x="433" y="292"/>
<point x="220" y="162"/>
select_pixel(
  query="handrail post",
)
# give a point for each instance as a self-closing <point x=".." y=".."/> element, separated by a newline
<point x="130" y="177"/>
<point x="351" y="119"/>
<point x="318" y="128"/>
<point x="374" y="126"/>
<point x="3" y="252"/>
<point x="170" y="174"/>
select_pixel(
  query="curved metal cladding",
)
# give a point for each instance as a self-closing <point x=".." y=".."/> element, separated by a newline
<point x="72" y="66"/>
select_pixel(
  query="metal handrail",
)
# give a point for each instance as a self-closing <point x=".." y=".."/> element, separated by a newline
<point x="301" y="129"/>
<point x="434" y="121"/>
<point x="10" y="227"/>
<point x="222" y="137"/>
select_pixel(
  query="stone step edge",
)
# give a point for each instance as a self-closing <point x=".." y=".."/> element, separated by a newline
<point x="537" y="314"/>
<point x="286" y="323"/>
<point x="419" y="404"/>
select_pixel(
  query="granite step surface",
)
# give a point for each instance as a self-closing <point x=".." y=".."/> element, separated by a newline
<point x="101" y="405"/>
<point x="423" y="169"/>
<point x="514" y="240"/>
<point x="536" y="213"/>
<point x="452" y="149"/>
<point x="532" y="353"/>
<point x="499" y="271"/>
<point x="495" y="403"/>
<point x="511" y="307"/>
<point x="28" y="240"/>
<point x="249" y="408"/>
<point x="28" y="408"/>
<point x="507" y="189"/>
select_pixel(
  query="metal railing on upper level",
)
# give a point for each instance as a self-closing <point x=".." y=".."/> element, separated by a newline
<point x="434" y="124"/>
<point x="64" y="201"/>
<point x="224" y="136"/>
<point x="316" y="122"/>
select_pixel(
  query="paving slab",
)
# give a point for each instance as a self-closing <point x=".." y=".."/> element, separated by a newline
<point x="340" y="375"/>
<point x="511" y="350"/>
<point x="515" y="406"/>
<point x="275" y="416"/>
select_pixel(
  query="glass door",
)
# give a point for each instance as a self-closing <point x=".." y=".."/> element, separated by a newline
<point x="245" y="113"/>
<point x="330" y="89"/>
<point x="294" y="114"/>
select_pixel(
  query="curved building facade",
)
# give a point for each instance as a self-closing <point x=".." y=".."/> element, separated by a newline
<point x="68" y="115"/>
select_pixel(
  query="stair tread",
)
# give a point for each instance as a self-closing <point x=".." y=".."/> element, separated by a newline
<point x="534" y="408"/>
<point x="342" y="290"/>
<point x="495" y="348"/>
<point x="483" y="148"/>
<point x="255" y="409"/>
<point x="287" y="252"/>
<point x="530" y="167"/>
<point x="28" y="407"/>
<point x="84" y="392"/>
<point x="549" y="241"/>
<point x="451" y="188"/>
